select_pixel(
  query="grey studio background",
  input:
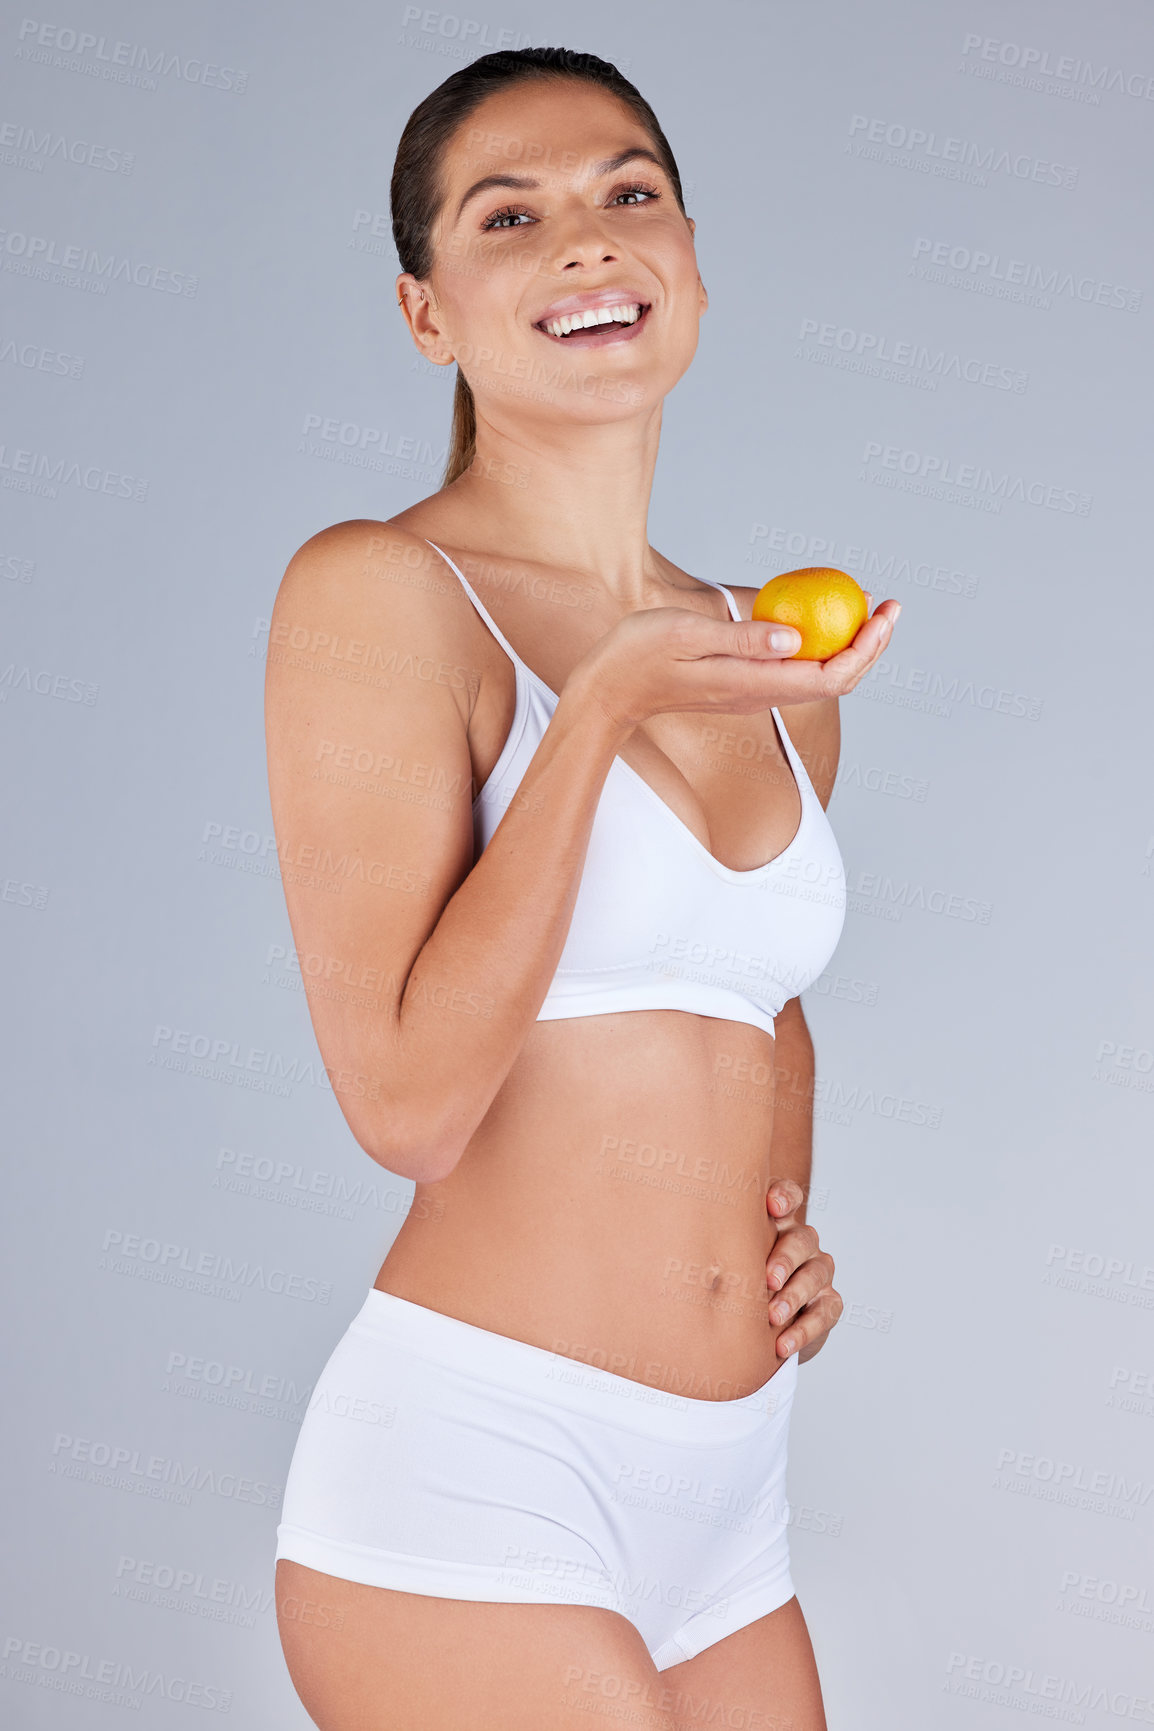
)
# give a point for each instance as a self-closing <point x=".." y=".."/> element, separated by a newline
<point x="926" y="361"/>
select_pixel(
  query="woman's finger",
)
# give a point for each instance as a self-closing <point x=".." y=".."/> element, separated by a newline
<point x="853" y="662"/>
<point x="812" y="1277"/>
<point x="793" y="1247"/>
<point x="783" y="1197"/>
<point x="816" y="1319"/>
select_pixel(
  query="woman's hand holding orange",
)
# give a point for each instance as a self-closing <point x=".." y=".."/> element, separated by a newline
<point x="674" y="658"/>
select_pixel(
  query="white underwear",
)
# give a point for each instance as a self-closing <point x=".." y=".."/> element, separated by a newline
<point x="436" y="1457"/>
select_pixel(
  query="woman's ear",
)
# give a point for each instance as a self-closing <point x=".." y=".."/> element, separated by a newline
<point x="420" y="316"/>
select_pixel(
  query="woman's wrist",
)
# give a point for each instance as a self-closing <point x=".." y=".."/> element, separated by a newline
<point x="587" y="707"/>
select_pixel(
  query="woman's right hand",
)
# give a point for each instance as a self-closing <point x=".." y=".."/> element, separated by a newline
<point x="673" y="658"/>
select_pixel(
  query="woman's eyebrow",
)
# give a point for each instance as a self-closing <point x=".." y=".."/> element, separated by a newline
<point x="526" y="182"/>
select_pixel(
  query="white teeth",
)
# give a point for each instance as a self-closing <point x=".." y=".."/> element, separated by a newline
<point x="622" y="315"/>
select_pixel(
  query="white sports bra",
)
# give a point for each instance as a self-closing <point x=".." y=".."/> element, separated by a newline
<point x="659" y="924"/>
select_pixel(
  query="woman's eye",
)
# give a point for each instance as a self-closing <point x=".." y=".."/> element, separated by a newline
<point x="498" y="216"/>
<point x="650" y="192"/>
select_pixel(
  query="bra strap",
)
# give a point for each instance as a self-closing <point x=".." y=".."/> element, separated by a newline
<point x="791" y="750"/>
<point x="714" y="584"/>
<point x="500" y="635"/>
<point x="480" y="606"/>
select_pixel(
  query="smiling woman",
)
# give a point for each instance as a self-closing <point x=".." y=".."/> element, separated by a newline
<point x="552" y="1443"/>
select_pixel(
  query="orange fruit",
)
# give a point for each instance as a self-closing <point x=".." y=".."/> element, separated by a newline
<point x="825" y="605"/>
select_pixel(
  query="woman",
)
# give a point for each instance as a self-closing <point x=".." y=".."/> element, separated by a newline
<point x="542" y="1473"/>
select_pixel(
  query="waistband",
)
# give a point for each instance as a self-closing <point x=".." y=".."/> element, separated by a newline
<point x="582" y="1389"/>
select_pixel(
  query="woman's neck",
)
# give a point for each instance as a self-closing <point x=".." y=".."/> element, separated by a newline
<point x="574" y="496"/>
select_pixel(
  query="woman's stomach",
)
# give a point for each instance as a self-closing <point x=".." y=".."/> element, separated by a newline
<point x="611" y="1207"/>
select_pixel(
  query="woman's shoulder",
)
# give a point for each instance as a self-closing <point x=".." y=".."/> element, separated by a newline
<point x="358" y="538"/>
<point x="362" y="558"/>
<point x="367" y="599"/>
<point x="376" y="579"/>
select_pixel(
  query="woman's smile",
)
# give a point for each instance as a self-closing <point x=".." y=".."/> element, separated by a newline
<point x="596" y="320"/>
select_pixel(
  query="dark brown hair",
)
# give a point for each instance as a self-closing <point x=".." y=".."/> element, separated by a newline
<point x="417" y="192"/>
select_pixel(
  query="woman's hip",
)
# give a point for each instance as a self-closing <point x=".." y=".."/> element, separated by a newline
<point x="429" y="1442"/>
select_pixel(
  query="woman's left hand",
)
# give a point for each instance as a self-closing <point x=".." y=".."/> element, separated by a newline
<point x="798" y="1274"/>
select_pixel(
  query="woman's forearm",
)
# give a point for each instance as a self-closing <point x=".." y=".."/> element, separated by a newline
<point x="498" y="941"/>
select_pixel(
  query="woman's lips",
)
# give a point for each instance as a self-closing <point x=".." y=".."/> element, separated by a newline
<point x="598" y="336"/>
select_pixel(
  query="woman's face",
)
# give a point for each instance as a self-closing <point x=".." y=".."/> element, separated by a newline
<point x="553" y="200"/>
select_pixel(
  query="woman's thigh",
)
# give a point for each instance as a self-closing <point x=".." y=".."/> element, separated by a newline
<point x="371" y="1659"/>
<point x="763" y="1675"/>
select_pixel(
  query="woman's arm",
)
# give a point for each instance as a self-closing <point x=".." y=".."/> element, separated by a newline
<point x="424" y="971"/>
